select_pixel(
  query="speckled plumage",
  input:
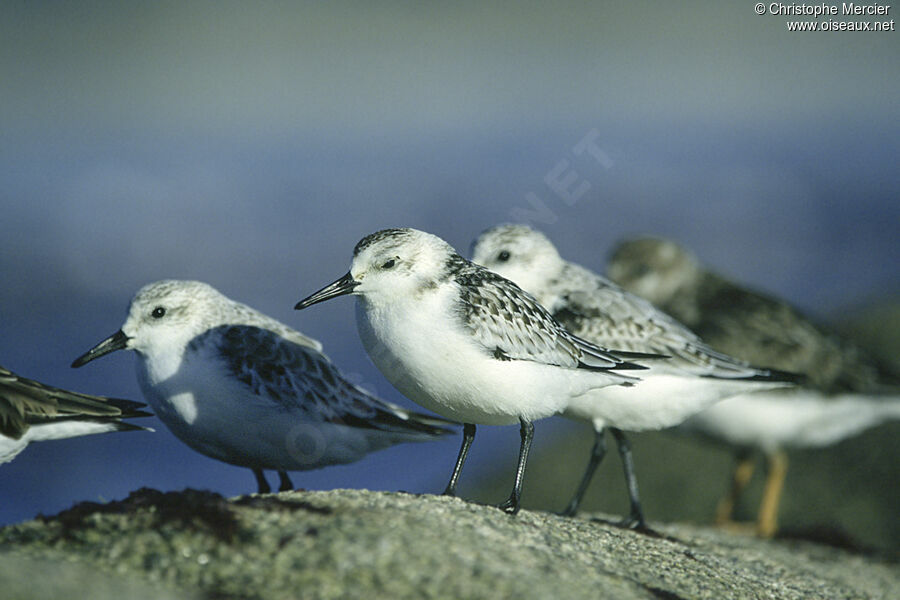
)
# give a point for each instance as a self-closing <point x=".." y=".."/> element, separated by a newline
<point x="395" y="236"/>
<point x="743" y="322"/>
<point x="301" y="381"/>
<point x="503" y="317"/>
<point x="845" y="391"/>
<point x="592" y="307"/>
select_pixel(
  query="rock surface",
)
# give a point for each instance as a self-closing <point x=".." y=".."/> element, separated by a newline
<point x="356" y="543"/>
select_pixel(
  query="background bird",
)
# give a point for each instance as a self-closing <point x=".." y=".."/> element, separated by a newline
<point x="592" y="307"/>
<point x="846" y="391"/>
<point x="31" y="411"/>
<point x="245" y="389"/>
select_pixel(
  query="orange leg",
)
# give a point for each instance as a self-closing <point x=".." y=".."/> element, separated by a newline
<point x="743" y="471"/>
<point x="767" y="520"/>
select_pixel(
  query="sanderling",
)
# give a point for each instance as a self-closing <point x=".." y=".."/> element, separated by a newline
<point x="846" y="392"/>
<point x="466" y="343"/>
<point x="31" y="411"/>
<point x="245" y="389"/>
<point x="600" y="311"/>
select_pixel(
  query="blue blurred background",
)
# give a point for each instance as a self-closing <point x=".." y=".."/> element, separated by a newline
<point x="251" y="145"/>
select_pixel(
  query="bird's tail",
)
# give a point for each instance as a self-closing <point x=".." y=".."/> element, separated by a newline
<point x="129" y="409"/>
<point x="776" y="376"/>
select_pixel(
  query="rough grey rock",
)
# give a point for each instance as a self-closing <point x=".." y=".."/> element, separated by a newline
<point x="356" y="543"/>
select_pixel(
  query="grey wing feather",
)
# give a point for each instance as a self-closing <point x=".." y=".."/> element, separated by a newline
<point x="298" y="377"/>
<point x="246" y="315"/>
<point x="608" y="314"/>
<point x="509" y="323"/>
<point x="766" y="330"/>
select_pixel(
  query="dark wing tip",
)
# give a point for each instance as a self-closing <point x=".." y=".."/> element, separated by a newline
<point x="631" y="366"/>
<point x="128" y="407"/>
<point x="622" y="366"/>
<point x="770" y="375"/>
<point x="124" y="426"/>
<point x="638" y="355"/>
<point x="776" y="375"/>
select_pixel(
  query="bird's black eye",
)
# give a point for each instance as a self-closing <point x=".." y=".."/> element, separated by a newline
<point x="503" y="256"/>
<point x="389" y="264"/>
<point x="158" y="313"/>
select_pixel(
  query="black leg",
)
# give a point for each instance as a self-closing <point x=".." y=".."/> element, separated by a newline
<point x="261" y="482"/>
<point x="468" y="436"/>
<point x="512" y="503"/>
<point x="285" y="482"/>
<point x="635" y="519"/>
<point x="597" y="454"/>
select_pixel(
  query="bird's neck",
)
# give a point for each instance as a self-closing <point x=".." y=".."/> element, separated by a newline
<point x="159" y="364"/>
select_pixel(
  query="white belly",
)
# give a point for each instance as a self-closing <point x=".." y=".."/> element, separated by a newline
<point x="791" y="418"/>
<point x="435" y="363"/>
<point x="656" y="402"/>
<point x="222" y="418"/>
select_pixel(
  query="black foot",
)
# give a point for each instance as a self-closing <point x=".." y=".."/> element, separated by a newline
<point x="510" y="506"/>
<point x="638" y="525"/>
<point x="632" y="523"/>
<point x="569" y="511"/>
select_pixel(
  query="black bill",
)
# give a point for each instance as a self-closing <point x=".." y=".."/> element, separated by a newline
<point x="344" y="285"/>
<point x="116" y="341"/>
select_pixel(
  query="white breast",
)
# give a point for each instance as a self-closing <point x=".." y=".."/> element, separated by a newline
<point x="426" y="353"/>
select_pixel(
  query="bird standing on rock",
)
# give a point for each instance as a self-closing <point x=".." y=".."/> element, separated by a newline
<point x="598" y="310"/>
<point x="243" y="388"/>
<point x="467" y="343"/>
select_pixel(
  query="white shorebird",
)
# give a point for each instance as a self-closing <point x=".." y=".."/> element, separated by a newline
<point x="466" y="343"/>
<point x="31" y="411"/>
<point x="598" y="310"/>
<point x="846" y="392"/>
<point x="245" y="389"/>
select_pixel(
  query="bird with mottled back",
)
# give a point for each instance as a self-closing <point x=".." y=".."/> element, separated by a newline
<point x="743" y="322"/>
<point x="846" y="390"/>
